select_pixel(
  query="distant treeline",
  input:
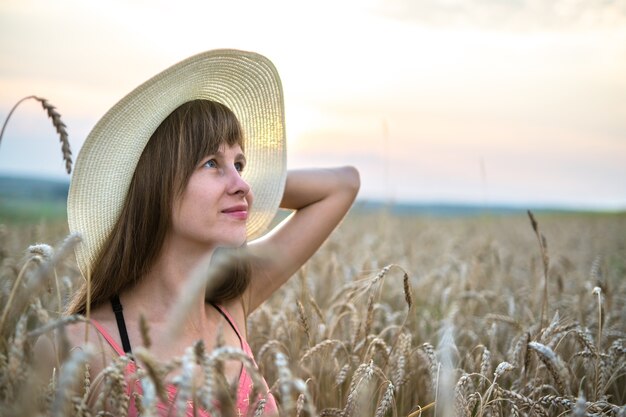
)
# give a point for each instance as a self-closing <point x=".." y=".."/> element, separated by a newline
<point x="463" y="209"/>
<point x="435" y="209"/>
<point x="16" y="191"/>
<point x="22" y="188"/>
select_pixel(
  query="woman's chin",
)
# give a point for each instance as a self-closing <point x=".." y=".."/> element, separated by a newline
<point x="233" y="243"/>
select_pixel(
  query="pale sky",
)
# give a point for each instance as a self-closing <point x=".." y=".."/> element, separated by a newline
<point x="480" y="101"/>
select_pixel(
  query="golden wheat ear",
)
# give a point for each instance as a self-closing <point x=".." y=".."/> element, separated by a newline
<point x="56" y="122"/>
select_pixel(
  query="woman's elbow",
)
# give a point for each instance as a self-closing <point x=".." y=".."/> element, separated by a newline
<point x="351" y="179"/>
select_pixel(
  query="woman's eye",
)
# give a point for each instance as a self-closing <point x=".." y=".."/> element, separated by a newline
<point x="211" y="163"/>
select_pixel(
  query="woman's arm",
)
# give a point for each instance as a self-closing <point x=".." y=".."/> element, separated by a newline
<point x="321" y="197"/>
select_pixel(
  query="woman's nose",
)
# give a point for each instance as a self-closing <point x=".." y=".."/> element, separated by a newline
<point x="238" y="184"/>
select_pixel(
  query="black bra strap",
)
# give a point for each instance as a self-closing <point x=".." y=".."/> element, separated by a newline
<point x="121" y="324"/>
<point x="228" y="320"/>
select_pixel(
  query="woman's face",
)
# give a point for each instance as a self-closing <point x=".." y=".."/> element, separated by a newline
<point x="214" y="207"/>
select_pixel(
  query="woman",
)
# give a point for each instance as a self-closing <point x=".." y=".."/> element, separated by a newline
<point x="192" y="161"/>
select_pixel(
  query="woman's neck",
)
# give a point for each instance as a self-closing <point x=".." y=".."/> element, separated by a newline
<point x="167" y="281"/>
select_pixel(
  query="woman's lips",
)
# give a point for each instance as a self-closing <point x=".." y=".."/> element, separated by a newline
<point x="237" y="212"/>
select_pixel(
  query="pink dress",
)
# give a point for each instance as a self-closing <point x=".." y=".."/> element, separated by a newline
<point x="244" y="389"/>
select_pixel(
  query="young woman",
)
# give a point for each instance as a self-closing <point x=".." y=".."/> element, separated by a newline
<point x="191" y="162"/>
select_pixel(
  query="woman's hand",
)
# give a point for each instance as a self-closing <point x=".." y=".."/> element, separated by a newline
<point x="320" y="198"/>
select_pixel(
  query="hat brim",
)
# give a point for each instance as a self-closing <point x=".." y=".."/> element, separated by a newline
<point x="246" y="82"/>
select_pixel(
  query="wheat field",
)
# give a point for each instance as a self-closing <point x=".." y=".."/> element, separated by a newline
<point x="394" y="316"/>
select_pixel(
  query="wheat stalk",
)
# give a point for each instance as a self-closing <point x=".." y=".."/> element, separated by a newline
<point x="407" y="290"/>
<point x="501" y="369"/>
<point x="523" y="401"/>
<point x="433" y="364"/>
<point x="304" y="321"/>
<point x="153" y="371"/>
<point x="56" y="122"/>
<point x="67" y="378"/>
<point x="323" y="345"/>
<point x="552" y="363"/>
<point x="386" y="402"/>
<point x="362" y="375"/>
<point x="14" y="290"/>
<point x="289" y="385"/>
<point x="148" y="403"/>
<point x="485" y="364"/>
<point x="463" y="385"/>
<point x="342" y="374"/>
<point x="545" y="261"/>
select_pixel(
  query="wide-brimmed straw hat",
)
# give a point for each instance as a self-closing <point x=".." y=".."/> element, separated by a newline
<point x="246" y="82"/>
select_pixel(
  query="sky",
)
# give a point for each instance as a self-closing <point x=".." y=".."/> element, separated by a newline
<point x="479" y="101"/>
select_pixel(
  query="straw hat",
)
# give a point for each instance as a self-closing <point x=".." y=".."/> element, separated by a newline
<point x="246" y="82"/>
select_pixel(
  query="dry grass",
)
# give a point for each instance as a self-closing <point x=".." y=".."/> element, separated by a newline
<point x="392" y="317"/>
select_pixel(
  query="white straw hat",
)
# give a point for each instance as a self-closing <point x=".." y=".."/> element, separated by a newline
<point x="246" y="82"/>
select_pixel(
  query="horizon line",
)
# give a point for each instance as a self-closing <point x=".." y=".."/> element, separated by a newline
<point x="381" y="202"/>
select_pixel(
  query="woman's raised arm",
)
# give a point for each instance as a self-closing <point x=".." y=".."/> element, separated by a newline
<point x="320" y="198"/>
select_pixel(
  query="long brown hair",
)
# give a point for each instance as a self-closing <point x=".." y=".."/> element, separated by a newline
<point x="191" y="132"/>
